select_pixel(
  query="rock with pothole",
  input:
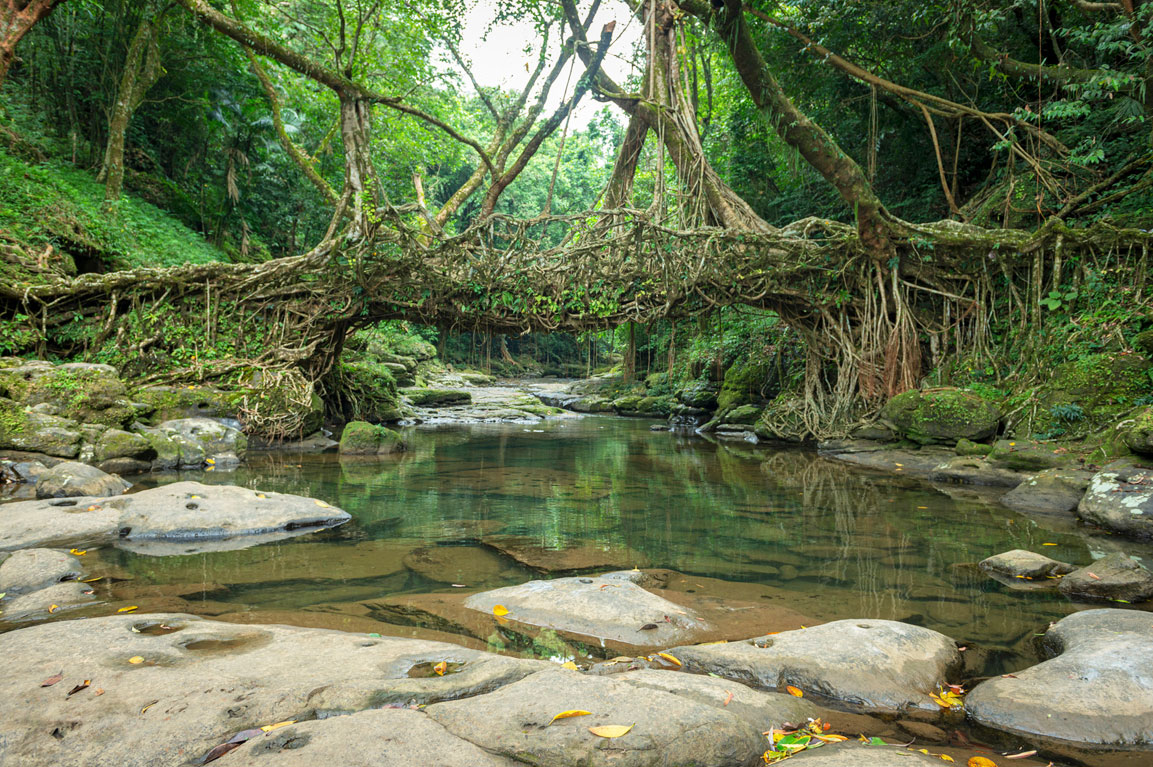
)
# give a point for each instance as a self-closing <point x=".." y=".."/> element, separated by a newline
<point x="530" y="552"/>
<point x="670" y="724"/>
<point x="870" y="665"/>
<point x="48" y="601"/>
<point x="1021" y="564"/>
<point x="374" y="738"/>
<point x="470" y="565"/>
<point x="1048" y="492"/>
<point x="1098" y="690"/>
<point x="176" y="686"/>
<point x="180" y="511"/>
<point x="1114" y="577"/>
<point x="1120" y="498"/>
<point x="71" y="479"/>
<point x="610" y="607"/>
<point x="33" y="569"/>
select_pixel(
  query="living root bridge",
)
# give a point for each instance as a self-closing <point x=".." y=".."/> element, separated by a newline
<point x="865" y="321"/>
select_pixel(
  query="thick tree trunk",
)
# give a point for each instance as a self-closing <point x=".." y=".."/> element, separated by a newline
<point x="141" y="71"/>
<point x="620" y="186"/>
<point x="361" y="186"/>
<point x="16" y="18"/>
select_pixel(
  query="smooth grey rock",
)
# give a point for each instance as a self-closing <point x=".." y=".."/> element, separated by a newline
<point x="607" y="607"/>
<point x="1098" y="690"/>
<point x="856" y="754"/>
<point x="1050" y="491"/>
<point x="33" y="569"/>
<point x="202" y="439"/>
<point x="1112" y="577"/>
<point x="873" y="665"/>
<point x="1120" y="498"/>
<point x="388" y="737"/>
<point x="71" y="479"/>
<point x="180" y="511"/>
<point x="1028" y="564"/>
<point x="39" y="604"/>
<point x="668" y="728"/>
<point x="203" y="681"/>
<point x="975" y="470"/>
<point x="28" y="471"/>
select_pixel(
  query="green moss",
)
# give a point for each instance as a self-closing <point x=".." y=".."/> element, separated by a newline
<point x="13" y="421"/>
<point x="87" y="396"/>
<point x="360" y="438"/>
<point x="1089" y="393"/>
<point x="941" y="416"/>
<point x="170" y="402"/>
<point x="362" y="391"/>
<point x="969" y="447"/>
<point x="742" y="384"/>
<point x="437" y="397"/>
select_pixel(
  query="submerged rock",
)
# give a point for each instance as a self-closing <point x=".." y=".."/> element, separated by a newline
<point x="200" y="682"/>
<point x="610" y="607"/>
<point x="530" y="552"/>
<point x="33" y="569"/>
<point x="71" y="479"/>
<point x="470" y="565"/>
<point x="184" y="510"/>
<point x="1098" y="690"/>
<point x="1120" y="498"/>
<point x="874" y="665"/>
<point x="1051" y="491"/>
<point x="974" y="470"/>
<point x="1114" y="577"/>
<point x="941" y="416"/>
<point x="675" y="718"/>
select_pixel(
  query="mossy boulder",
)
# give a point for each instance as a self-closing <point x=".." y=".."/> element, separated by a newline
<point x="969" y="447"/>
<point x="37" y="432"/>
<point x="1143" y="342"/>
<point x="941" y="416"/>
<point x="1091" y="392"/>
<point x="115" y="443"/>
<point x="362" y="438"/>
<point x="362" y="391"/>
<point x="1030" y="455"/>
<point x="744" y="384"/>
<point x="742" y="414"/>
<point x="699" y="394"/>
<point x="84" y="393"/>
<point x="1137" y="432"/>
<point x="168" y="403"/>
<point x="437" y="397"/>
<point x="643" y="407"/>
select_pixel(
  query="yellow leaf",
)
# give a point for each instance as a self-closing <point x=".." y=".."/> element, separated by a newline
<point x="569" y="714"/>
<point x="135" y="659"/>
<point x="499" y="611"/>
<point x="92" y="580"/>
<point x="78" y="552"/>
<point x="94" y="508"/>
<point x="610" y="730"/>
<point x="128" y="609"/>
<point x="1048" y="544"/>
<point x="150" y="705"/>
<point x="194" y="496"/>
<point x="947" y="758"/>
<point x="980" y="761"/>
<point x="440" y="668"/>
<point x="570" y="666"/>
<point x="670" y="658"/>
<point x="53" y="608"/>
<point x="322" y="505"/>
<point x="795" y="691"/>
<point x="278" y="725"/>
<point x="261" y="496"/>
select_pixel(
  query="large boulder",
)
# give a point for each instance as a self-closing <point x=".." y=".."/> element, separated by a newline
<point x="700" y="395"/>
<point x="1098" y="690"/>
<point x="1120" y="498"/>
<point x="180" y="511"/>
<point x="974" y="470"/>
<point x="33" y="569"/>
<point x="166" y="403"/>
<point x="746" y="383"/>
<point x="1051" y="491"/>
<point x="1137" y="432"/>
<point x="205" y="441"/>
<point x="676" y="719"/>
<point x="361" y="438"/>
<point x="1019" y="563"/>
<point x="1114" y="577"/>
<point x="1030" y="455"/>
<point x="115" y="444"/>
<point x="1091" y="392"/>
<point x="941" y="416"/>
<point x="198" y="683"/>
<point x="609" y="607"/>
<point x="437" y="397"/>
<point x="86" y="393"/>
<point x="71" y="479"/>
<point x="37" y="432"/>
<point x="872" y="665"/>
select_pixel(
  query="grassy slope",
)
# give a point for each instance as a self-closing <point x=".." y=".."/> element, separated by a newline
<point x="55" y="203"/>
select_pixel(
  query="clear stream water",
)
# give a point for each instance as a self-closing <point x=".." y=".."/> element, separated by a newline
<point x="825" y="540"/>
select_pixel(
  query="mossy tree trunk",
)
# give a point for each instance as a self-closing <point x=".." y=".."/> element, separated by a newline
<point x="16" y="18"/>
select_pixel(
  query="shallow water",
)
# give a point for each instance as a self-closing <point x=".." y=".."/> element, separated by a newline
<point x="816" y="536"/>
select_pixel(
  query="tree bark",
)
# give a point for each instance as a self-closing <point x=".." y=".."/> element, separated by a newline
<point x="16" y="18"/>
<point x="620" y="187"/>
<point x="361" y="185"/>
<point x="141" y="71"/>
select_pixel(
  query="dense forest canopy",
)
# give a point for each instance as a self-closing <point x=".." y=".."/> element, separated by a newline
<point x="904" y="185"/>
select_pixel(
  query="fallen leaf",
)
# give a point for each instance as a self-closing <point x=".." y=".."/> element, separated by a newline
<point x="618" y="659"/>
<point x="648" y="627"/>
<point x="219" y="751"/>
<point x="82" y="686"/>
<point x="1094" y="576"/>
<point x="795" y="691"/>
<point x="128" y="609"/>
<point x="610" y="730"/>
<point x="210" y="461"/>
<point x="946" y="757"/>
<point x="980" y="761"/>
<point x="670" y="658"/>
<point x="570" y="666"/>
<point x="459" y="586"/>
<point x="1048" y="544"/>
<point x="52" y="680"/>
<point x="78" y="552"/>
<point x="323" y="505"/>
<point x="245" y="735"/>
<point x="53" y="608"/>
<point x="148" y="706"/>
<point x="499" y="611"/>
<point x="728" y="698"/>
<point x="92" y="580"/>
<point x="1022" y="755"/>
<point x="135" y="659"/>
<point x="570" y="714"/>
<point x="93" y="508"/>
<point x="99" y="691"/>
<point x="440" y="668"/>
<point x="278" y="725"/>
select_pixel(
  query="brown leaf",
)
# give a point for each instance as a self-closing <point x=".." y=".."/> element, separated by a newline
<point x="52" y="680"/>
<point x="219" y="751"/>
<point x="99" y="691"/>
<point x="82" y="686"/>
<point x="648" y="627"/>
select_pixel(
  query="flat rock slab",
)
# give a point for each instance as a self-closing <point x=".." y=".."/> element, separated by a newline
<point x="200" y="682"/>
<point x="1113" y="577"/>
<point x="377" y="738"/>
<point x="667" y="727"/>
<point x="180" y="511"/>
<point x="975" y="470"/>
<point x="531" y="552"/>
<point x="916" y="463"/>
<point x="1021" y="564"/>
<point x="469" y="565"/>
<point x="870" y="665"/>
<point x="1052" y="491"/>
<point x="33" y="569"/>
<point x="853" y="754"/>
<point x="610" y="607"/>
<point x="48" y="601"/>
<point x="71" y="479"/>
<point x="1098" y="690"/>
<point x="1120" y="499"/>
